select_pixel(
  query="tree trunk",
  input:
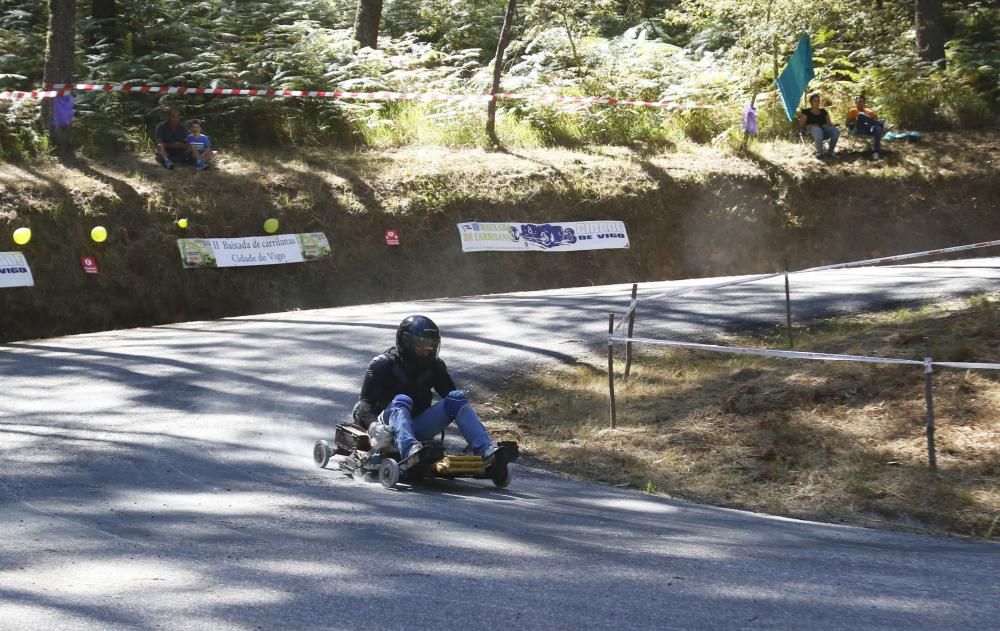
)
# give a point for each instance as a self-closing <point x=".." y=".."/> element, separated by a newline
<point x="491" y="109"/>
<point x="59" y="53"/>
<point x="366" y="22"/>
<point x="105" y="14"/>
<point x="930" y="30"/>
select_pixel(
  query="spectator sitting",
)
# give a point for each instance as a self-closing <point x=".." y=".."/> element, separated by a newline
<point x="200" y="147"/>
<point x="865" y="122"/>
<point x="171" y="140"/>
<point x="817" y="121"/>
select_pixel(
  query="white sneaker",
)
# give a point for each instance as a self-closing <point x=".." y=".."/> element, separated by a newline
<point x="875" y="155"/>
<point x="414" y="448"/>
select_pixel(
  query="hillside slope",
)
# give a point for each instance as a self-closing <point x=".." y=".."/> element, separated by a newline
<point x="694" y="211"/>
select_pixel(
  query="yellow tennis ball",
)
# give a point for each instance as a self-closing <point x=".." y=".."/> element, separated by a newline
<point x="271" y="225"/>
<point x="22" y="236"/>
<point x="182" y="223"/>
<point x="99" y="234"/>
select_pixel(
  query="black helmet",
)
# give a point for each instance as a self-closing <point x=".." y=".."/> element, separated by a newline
<point x="418" y="340"/>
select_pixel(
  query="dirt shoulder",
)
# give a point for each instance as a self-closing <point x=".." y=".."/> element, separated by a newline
<point x="840" y="442"/>
<point x="692" y="211"/>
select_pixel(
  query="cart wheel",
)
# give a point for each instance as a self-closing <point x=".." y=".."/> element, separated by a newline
<point x="502" y="476"/>
<point x="388" y="473"/>
<point x="321" y="453"/>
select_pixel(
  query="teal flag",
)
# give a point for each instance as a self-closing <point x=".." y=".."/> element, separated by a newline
<point x="796" y="76"/>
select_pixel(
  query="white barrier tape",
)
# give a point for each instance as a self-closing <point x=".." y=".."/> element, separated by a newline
<point x="726" y="283"/>
<point x="378" y="96"/>
<point x="968" y="365"/>
<point x="822" y="268"/>
<point x="766" y="352"/>
<point x="688" y="290"/>
<point x="901" y="257"/>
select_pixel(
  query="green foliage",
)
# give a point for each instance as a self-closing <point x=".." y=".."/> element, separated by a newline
<point x="915" y="95"/>
<point x="707" y="51"/>
<point x="19" y="138"/>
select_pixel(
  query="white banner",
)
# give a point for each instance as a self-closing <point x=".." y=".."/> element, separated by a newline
<point x="246" y="251"/>
<point x="563" y="236"/>
<point x="14" y="270"/>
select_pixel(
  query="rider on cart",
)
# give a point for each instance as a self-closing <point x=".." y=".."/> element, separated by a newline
<point x="397" y="393"/>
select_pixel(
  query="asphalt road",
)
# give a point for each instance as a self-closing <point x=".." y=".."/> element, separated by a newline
<point x="162" y="478"/>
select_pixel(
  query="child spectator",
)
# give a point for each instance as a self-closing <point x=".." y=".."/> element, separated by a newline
<point x="199" y="147"/>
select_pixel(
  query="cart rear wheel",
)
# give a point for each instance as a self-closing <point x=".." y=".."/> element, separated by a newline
<point x="321" y="453"/>
<point x="388" y="473"/>
<point x="502" y="476"/>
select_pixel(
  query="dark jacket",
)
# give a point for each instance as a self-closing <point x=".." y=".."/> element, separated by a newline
<point x="387" y="376"/>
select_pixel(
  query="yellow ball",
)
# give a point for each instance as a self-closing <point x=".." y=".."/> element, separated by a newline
<point x="99" y="234"/>
<point x="22" y="236"/>
<point x="271" y="225"/>
<point x="182" y="223"/>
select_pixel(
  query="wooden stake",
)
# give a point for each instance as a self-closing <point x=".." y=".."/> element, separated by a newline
<point x="788" y="309"/>
<point x="611" y="367"/>
<point x="631" y="323"/>
<point x="929" y="397"/>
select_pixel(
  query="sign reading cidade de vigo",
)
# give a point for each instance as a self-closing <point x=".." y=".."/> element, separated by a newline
<point x="14" y="270"/>
<point x="560" y="236"/>
<point x="276" y="249"/>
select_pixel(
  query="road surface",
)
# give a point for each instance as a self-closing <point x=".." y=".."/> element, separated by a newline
<point x="161" y="478"/>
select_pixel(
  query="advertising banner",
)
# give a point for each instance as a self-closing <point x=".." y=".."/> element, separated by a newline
<point x="563" y="236"/>
<point x="14" y="270"/>
<point x="275" y="249"/>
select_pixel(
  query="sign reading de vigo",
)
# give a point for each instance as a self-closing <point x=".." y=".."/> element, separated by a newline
<point x="246" y="251"/>
<point x="14" y="270"/>
<point x="563" y="236"/>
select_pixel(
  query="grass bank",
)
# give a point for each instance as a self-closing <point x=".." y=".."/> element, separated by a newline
<point x="691" y="210"/>
<point x="829" y="441"/>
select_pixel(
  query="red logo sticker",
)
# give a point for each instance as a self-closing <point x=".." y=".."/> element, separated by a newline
<point x="89" y="264"/>
<point x="391" y="237"/>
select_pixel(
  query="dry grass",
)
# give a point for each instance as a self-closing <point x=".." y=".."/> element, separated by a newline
<point x="835" y="442"/>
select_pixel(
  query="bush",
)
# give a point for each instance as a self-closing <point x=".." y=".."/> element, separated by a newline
<point x="917" y="95"/>
<point x="19" y="135"/>
<point x="700" y="126"/>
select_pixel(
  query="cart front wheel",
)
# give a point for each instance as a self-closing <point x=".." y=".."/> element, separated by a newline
<point x="388" y="473"/>
<point x="321" y="453"/>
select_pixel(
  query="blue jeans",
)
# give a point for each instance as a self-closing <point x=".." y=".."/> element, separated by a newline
<point x="432" y="421"/>
<point x="868" y="126"/>
<point x="820" y="134"/>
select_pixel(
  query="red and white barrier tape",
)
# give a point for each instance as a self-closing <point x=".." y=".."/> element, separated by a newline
<point x="830" y="357"/>
<point x="36" y="94"/>
<point x="54" y="89"/>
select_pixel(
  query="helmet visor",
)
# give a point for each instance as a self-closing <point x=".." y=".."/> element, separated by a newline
<point x="424" y="347"/>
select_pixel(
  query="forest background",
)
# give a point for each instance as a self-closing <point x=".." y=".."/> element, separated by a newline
<point x="925" y="65"/>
